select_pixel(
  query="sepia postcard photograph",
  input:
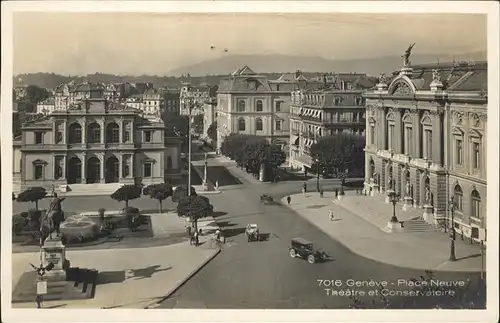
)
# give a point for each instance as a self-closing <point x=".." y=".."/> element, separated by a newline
<point x="249" y="161"/>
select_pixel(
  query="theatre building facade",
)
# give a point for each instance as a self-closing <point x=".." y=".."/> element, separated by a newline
<point x="426" y="140"/>
<point x="96" y="142"/>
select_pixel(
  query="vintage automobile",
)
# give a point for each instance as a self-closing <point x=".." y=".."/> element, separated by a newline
<point x="266" y="199"/>
<point x="252" y="232"/>
<point x="305" y="249"/>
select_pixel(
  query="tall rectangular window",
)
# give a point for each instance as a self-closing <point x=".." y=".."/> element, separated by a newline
<point x="38" y="171"/>
<point x="278" y="125"/>
<point x="459" y="152"/>
<point x="148" y="170"/>
<point x="59" y="137"/>
<point x="126" y="166"/>
<point x="147" y="136"/>
<point x="390" y="137"/>
<point x="38" y="138"/>
<point x="278" y="106"/>
<point x="476" y="155"/>
<point x="428" y="144"/>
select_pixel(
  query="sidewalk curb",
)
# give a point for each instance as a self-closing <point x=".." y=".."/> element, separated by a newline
<point x="284" y="203"/>
<point x="183" y="281"/>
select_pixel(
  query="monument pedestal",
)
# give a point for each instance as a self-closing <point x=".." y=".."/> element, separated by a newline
<point x="375" y="189"/>
<point x="407" y="203"/>
<point x="340" y="197"/>
<point x="388" y="198"/>
<point x="53" y="251"/>
<point x="428" y="213"/>
<point x="204" y="185"/>
<point x="394" y="226"/>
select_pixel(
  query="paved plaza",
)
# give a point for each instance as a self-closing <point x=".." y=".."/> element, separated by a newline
<point x="133" y="277"/>
<point x="361" y="233"/>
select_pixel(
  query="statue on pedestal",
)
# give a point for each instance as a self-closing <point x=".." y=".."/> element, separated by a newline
<point x="53" y="218"/>
<point x="428" y="196"/>
<point x="436" y="76"/>
<point x="408" y="189"/>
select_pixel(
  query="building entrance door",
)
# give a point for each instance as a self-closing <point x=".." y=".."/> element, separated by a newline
<point x="93" y="170"/>
<point x="112" y="170"/>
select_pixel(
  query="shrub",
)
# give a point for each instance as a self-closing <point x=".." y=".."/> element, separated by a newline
<point x="18" y="224"/>
<point x="101" y="212"/>
<point x="34" y="218"/>
<point x="182" y="191"/>
<point x="133" y="217"/>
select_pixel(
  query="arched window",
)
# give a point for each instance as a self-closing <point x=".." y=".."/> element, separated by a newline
<point x="94" y="133"/>
<point x="259" y="106"/>
<point x="241" y="124"/>
<point x="112" y="133"/>
<point x="241" y="106"/>
<point x="258" y="124"/>
<point x="458" y="196"/>
<point x="475" y="204"/>
<point x="75" y="133"/>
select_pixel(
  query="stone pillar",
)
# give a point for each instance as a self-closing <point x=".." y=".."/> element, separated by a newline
<point x="436" y="138"/>
<point x="120" y="167"/>
<point x="64" y="163"/>
<point x="120" y="124"/>
<point x="65" y="133"/>
<point x="84" y="132"/>
<point x="84" y="168"/>
<point x="102" y="158"/>
<point x="102" y="124"/>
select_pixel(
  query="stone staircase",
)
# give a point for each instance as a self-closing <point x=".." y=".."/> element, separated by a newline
<point x="418" y="225"/>
<point x="91" y="189"/>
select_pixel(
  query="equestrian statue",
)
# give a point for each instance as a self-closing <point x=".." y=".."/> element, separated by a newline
<point x="52" y="219"/>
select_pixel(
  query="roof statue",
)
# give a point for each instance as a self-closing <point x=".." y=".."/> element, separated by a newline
<point x="406" y="56"/>
<point x="436" y="76"/>
<point x="383" y="78"/>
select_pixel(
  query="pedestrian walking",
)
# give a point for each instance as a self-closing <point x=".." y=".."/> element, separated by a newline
<point x="288" y="199"/>
<point x="304" y="191"/>
<point x="217" y="185"/>
<point x="304" y="187"/>
<point x="321" y="193"/>
<point x="217" y="235"/>
<point x="196" y="239"/>
<point x="330" y="215"/>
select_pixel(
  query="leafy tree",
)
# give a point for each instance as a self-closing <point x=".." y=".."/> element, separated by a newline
<point x="32" y="194"/>
<point x="198" y="123"/>
<point x="339" y="153"/>
<point x="35" y="94"/>
<point x="253" y="152"/>
<point x="126" y="193"/>
<point x="175" y="124"/>
<point x="195" y="207"/>
<point x="212" y="132"/>
<point x="159" y="192"/>
<point x="182" y="191"/>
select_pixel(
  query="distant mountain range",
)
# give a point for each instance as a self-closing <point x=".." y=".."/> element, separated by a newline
<point x="272" y="66"/>
<point x="288" y="63"/>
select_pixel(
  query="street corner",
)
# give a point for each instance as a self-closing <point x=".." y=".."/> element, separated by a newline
<point x="210" y="255"/>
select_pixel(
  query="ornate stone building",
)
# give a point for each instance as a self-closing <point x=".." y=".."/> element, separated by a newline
<point x="426" y="139"/>
<point x="96" y="141"/>
<point x="200" y="94"/>
<point x="338" y="107"/>
<point x="249" y="103"/>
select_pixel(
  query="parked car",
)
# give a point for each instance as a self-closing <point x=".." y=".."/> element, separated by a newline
<point x="305" y="249"/>
<point x="252" y="232"/>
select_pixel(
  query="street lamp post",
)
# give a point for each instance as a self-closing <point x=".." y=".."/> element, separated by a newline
<point x="393" y="198"/>
<point x="317" y="174"/>
<point x="452" y="228"/>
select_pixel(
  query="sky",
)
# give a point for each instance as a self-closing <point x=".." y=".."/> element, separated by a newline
<point x="155" y="43"/>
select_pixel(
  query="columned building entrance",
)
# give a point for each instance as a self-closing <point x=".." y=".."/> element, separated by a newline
<point x="93" y="170"/>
